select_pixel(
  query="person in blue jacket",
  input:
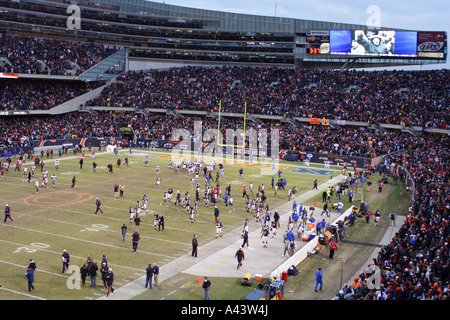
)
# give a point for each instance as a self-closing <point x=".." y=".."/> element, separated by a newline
<point x="294" y="206"/>
<point x="7" y="213"/>
<point x="295" y="217"/>
<point x="319" y="282"/>
<point x="155" y="273"/>
<point x="30" y="278"/>
<point x="350" y="196"/>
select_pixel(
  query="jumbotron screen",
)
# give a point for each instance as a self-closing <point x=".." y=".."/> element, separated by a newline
<point x="377" y="43"/>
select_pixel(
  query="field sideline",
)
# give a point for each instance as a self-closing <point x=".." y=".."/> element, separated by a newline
<point x="63" y="218"/>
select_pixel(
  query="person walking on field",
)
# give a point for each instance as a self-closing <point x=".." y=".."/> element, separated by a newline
<point x="98" y="203"/>
<point x="206" y="285"/>
<point x="84" y="272"/>
<point x="109" y="282"/>
<point x="149" y="275"/>
<point x="7" y="213"/>
<point x="30" y="278"/>
<point x="135" y="239"/>
<point x="392" y="218"/>
<point x="32" y="265"/>
<point x="319" y="282"/>
<point x="65" y="261"/>
<point x="245" y="239"/>
<point x="104" y="272"/>
<point x="124" y="231"/>
<point x="194" y="246"/>
<point x="161" y="222"/>
<point x="137" y="222"/>
<point x="155" y="273"/>
<point x="240" y="257"/>
<point x="93" y="273"/>
<point x="377" y="217"/>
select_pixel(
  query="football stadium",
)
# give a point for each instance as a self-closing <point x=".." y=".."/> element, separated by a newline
<point x="159" y="152"/>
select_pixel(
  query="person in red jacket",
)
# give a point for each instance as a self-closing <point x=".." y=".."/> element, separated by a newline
<point x="333" y="247"/>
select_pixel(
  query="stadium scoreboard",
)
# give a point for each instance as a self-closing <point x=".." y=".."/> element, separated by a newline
<point x="377" y="43"/>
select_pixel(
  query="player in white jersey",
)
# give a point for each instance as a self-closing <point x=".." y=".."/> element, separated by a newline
<point x="230" y="203"/>
<point x="144" y="203"/>
<point x="253" y="207"/>
<point x="290" y="226"/>
<point x="245" y="226"/>
<point x="138" y="209"/>
<point x="132" y="214"/>
<point x="195" y="207"/>
<point x="53" y="180"/>
<point x="219" y="226"/>
<point x="191" y="214"/>
<point x="273" y="229"/>
<point x="155" y="219"/>
<point x="265" y="236"/>
<point x="165" y="200"/>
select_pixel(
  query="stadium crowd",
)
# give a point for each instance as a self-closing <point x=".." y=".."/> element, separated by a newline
<point x="33" y="55"/>
<point x="21" y="94"/>
<point x="410" y="98"/>
<point x="304" y="137"/>
<point x="398" y="97"/>
<point x="415" y="263"/>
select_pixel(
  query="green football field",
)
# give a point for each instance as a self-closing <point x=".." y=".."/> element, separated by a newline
<point x="62" y="217"/>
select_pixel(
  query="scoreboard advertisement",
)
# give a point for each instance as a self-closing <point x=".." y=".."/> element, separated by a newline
<point x="430" y="44"/>
<point x="379" y="43"/>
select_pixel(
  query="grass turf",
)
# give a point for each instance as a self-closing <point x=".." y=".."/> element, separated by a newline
<point x="60" y="218"/>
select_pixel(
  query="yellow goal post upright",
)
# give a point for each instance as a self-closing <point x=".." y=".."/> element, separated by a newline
<point x="258" y="153"/>
<point x="229" y="157"/>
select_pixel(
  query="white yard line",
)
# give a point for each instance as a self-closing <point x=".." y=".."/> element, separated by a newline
<point x="22" y="293"/>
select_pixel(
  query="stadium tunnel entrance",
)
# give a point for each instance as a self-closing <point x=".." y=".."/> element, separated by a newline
<point x="127" y="133"/>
